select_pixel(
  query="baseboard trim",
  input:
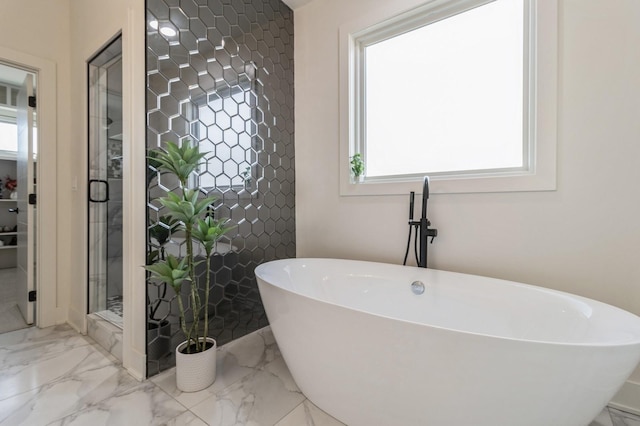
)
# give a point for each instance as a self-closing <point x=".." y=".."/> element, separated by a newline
<point x="136" y="364"/>
<point x="77" y="320"/>
<point x="628" y="398"/>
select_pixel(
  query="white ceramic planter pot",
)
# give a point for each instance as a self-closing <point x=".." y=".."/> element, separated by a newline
<point x="195" y="371"/>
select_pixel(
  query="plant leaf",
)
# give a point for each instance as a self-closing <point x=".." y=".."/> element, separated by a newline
<point x="171" y="271"/>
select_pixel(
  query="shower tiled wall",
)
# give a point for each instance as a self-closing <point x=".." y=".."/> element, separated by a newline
<point x="220" y="73"/>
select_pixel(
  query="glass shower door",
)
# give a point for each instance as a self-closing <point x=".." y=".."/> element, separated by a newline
<point x="105" y="183"/>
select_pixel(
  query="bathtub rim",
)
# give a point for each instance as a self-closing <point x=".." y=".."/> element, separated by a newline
<point x="530" y="287"/>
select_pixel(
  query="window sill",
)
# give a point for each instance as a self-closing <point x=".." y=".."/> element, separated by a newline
<point x="541" y="181"/>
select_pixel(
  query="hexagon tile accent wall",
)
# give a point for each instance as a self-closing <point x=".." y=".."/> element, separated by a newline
<point x="220" y="73"/>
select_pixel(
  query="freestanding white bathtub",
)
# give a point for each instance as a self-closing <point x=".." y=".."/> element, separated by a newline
<point x="469" y="351"/>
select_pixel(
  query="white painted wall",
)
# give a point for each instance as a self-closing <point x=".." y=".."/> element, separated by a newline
<point x="93" y="24"/>
<point x="583" y="238"/>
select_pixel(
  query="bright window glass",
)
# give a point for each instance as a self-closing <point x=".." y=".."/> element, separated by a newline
<point x="8" y="137"/>
<point x="448" y="97"/>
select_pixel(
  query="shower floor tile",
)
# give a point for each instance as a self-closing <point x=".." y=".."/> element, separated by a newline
<point x="113" y="313"/>
<point x="111" y="317"/>
<point x="114" y="304"/>
<point x="55" y="376"/>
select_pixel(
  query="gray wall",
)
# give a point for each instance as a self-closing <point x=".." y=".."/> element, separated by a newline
<point x="225" y="81"/>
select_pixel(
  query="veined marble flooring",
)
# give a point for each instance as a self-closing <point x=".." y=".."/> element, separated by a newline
<point x="10" y="316"/>
<point x="57" y="377"/>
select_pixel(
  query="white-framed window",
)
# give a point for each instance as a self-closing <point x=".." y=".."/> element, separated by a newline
<point x="461" y="90"/>
<point x="8" y="138"/>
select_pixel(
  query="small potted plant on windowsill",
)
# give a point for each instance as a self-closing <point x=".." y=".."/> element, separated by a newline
<point x="195" y="357"/>
<point x="357" y="167"/>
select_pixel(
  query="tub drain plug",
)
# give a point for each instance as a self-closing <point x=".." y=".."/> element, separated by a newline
<point x="417" y="287"/>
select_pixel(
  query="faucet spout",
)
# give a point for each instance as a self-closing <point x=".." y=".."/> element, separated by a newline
<point x="425" y="196"/>
<point x="424" y="224"/>
<point x="423" y="232"/>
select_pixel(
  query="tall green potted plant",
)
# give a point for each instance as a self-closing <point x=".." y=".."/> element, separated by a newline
<point x="195" y="357"/>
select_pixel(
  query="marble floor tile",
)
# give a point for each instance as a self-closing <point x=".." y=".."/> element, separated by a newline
<point x="620" y="418"/>
<point x="603" y="419"/>
<point x="57" y="377"/>
<point x="144" y="404"/>
<point x="36" y="336"/>
<point x="307" y="414"/>
<point x="235" y="360"/>
<point x="261" y="398"/>
<point x="187" y="419"/>
<point x="10" y="317"/>
<point x="50" y="368"/>
<point x="94" y="381"/>
<point x="23" y="353"/>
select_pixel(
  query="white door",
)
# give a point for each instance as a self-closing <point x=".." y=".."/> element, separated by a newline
<point x="26" y="186"/>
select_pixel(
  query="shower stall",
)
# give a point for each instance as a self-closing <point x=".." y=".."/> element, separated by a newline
<point x="105" y="184"/>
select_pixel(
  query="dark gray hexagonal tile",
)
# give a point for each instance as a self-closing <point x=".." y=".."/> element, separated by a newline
<point x="215" y="68"/>
<point x="281" y="200"/>
<point x="198" y="28"/>
<point x="169" y="105"/>
<point x="230" y="46"/>
<point x="207" y="16"/>
<point x="158" y="121"/>
<point x="179" y="125"/>
<point x="168" y="68"/>
<point x="230" y="14"/>
<point x="223" y="57"/>
<point x="198" y="62"/>
<point x="190" y="7"/>
<point x="189" y="42"/>
<point x="158" y="84"/>
<point x="206" y="82"/>
<point x="223" y="25"/>
<point x="189" y="75"/>
<point x="159" y="9"/>
<point x="179" y="90"/>
<point x="178" y="18"/>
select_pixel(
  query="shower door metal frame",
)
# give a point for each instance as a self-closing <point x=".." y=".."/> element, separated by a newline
<point x="95" y="182"/>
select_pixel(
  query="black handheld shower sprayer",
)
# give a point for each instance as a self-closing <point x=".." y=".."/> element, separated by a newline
<point x="423" y="232"/>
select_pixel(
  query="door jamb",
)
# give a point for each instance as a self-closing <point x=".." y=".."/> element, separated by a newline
<point x="50" y="308"/>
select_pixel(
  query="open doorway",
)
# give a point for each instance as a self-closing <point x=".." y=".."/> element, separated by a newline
<point x="17" y="197"/>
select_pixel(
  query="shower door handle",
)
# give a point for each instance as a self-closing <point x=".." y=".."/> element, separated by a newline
<point x="16" y="210"/>
<point x="106" y="190"/>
